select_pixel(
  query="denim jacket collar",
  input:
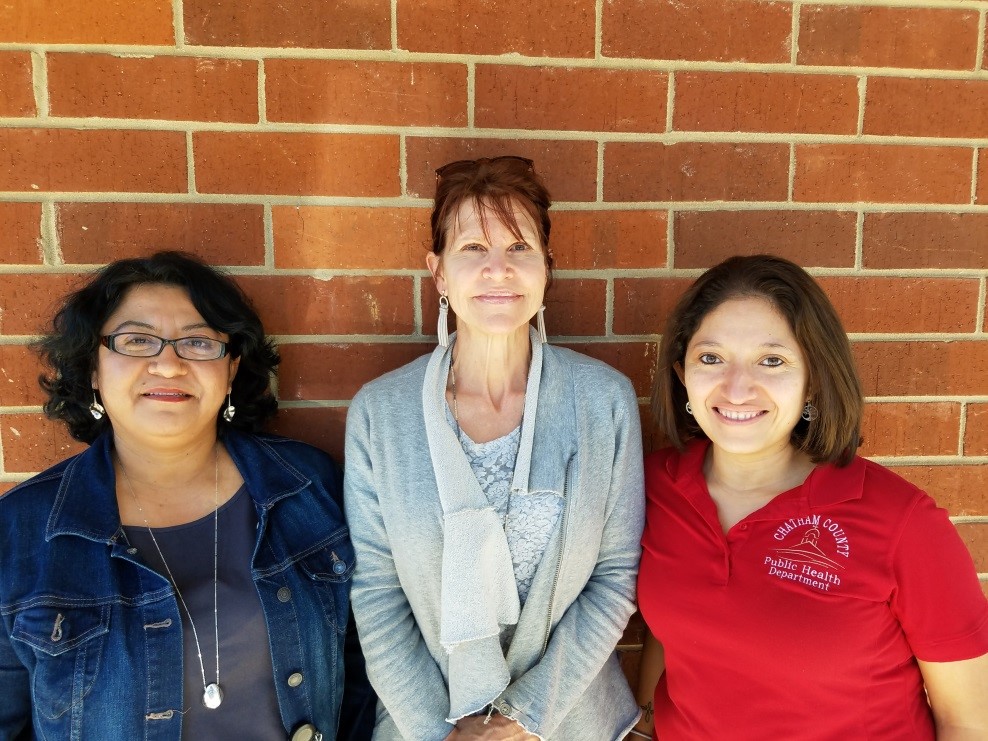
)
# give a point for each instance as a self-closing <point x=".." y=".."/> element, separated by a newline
<point x="96" y="517"/>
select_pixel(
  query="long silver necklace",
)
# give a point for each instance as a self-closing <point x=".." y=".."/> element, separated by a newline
<point x="212" y="695"/>
<point x="459" y="437"/>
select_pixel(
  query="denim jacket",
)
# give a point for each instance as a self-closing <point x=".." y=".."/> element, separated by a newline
<point x="91" y="645"/>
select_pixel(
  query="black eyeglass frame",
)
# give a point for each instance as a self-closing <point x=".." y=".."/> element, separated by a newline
<point x="109" y="342"/>
<point x="449" y="167"/>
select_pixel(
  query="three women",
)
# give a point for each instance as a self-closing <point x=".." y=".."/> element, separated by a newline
<point x="494" y="493"/>
<point x="183" y="577"/>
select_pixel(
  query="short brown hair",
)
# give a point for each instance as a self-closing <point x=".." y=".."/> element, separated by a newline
<point x="833" y="383"/>
<point x="497" y="183"/>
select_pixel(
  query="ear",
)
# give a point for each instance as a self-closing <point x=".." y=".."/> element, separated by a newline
<point x="680" y="372"/>
<point x="435" y="264"/>
<point x="234" y="365"/>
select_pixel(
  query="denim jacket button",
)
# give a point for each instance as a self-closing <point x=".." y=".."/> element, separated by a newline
<point x="284" y="594"/>
<point x="294" y="679"/>
<point x="308" y="732"/>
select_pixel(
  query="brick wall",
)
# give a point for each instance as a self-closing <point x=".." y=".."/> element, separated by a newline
<point x="295" y="144"/>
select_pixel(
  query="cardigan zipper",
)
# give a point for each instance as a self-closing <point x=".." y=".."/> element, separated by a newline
<point x="559" y="562"/>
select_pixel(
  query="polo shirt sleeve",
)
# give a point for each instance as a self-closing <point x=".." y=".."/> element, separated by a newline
<point x="937" y="597"/>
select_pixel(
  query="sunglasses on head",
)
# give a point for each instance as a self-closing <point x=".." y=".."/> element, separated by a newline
<point x="522" y="163"/>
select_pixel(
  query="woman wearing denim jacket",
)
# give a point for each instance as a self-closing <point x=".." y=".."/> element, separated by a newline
<point x="494" y="490"/>
<point x="182" y="578"/>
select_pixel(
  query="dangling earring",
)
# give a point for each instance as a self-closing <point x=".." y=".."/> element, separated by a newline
<point x="810" y="412"/>
<point x="443" y="326"/>
<point x="689" y="409"/>
<point x="540" y="324"/>
<point x="230" y="409"/>
<point x="96" y="409"/>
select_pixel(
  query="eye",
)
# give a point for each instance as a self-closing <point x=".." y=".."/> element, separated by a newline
<point x="136" y="340"/>
<point x="708" y="358"/>
<point x="520" y="247"/>
<point x="772" y="361"/>
<point x="472" y="247"/>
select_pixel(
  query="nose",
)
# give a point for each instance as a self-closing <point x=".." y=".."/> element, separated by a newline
<point x="497" y="266"/>
<point x="737" y="386"/>
<point x="167" y="363"/>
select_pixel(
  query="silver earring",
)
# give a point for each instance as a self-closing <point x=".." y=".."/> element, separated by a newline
<point x="230" y="410"/>
<point x="810" y="412"/>
<point x="443" y="326"/>
<point x="689" y="409"/>
<point x="540" y="324"/>
<point x="96" y="409"/>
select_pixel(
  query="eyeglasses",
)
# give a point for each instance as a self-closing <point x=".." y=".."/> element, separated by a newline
<point x="521" y="163"/>
<point x="140" y="345"/>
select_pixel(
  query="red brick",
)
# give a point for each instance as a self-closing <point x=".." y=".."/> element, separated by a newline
<point x="90" y="22"/>
<point x="976" y="430"/>
<point x="695" y="171"/>
<point x="902" y="106"/>
<point x="32" y="443"/>
<point x="221" y="234"/>
<point x="600" y="240"/>
<point x="700" y="30"/>
<point x="854" y="36"/>
<point x="897" y="429"/>
<point x="67" y="159"/>
<point x="925" y="240"/>
<point x="296" y="164"/>
<point x="904" y="304"/>
<point x="16" y="84"/>
<point x="921" y="368"/>
<point x="958" y="489"/>
<point x="19" y="371"/>
<point x="342" y="24"/>
<point x="636" y="360"/>
<point x="982" y="194"/>
<point x="336" y="306"/>
<point x="749" y="101"/>
<point x="642" y="305"/>
<point x="552" y="28"/>
<point x="336" y="372"/>
<point x="808" y="238"/>
<point x="975" y="537"/>
<point x="378" y="93"/>
<point x="848" y="173"/>
<point x="20" y="242"/>
<point x="569" y="168"/>
<point x="6" y="486"/>
<point x="570" y="99"/>
<point x="323" y="427"/>
<point x="171" y="88"/>
<point x="28" y="302"/>
<point x="573" y="308"/>
<point x="343" y="237"/>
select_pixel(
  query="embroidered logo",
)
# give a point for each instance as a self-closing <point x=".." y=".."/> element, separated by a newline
<point x="803" y="559"/>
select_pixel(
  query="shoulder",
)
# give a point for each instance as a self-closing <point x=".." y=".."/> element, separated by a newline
<point x="589" y="374"/>
<point x="299" y="455"/>
<point x="399" y="383"/>
<point x="39" y="488"/>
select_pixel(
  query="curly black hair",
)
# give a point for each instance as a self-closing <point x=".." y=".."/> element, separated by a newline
<point x="69" y="349"/>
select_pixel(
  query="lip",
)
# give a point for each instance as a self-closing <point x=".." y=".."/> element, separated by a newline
<point x="166" y="395"/>
<point x="497" y="297"/>
<point x="739" y="416"/>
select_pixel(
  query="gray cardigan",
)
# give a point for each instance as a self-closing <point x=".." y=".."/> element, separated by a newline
<point x="428" y="605"/>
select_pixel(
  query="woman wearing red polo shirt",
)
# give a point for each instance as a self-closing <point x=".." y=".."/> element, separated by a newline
<point x="794" y="590"/>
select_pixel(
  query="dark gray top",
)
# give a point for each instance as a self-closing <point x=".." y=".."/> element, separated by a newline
<point x="250" y="705"/>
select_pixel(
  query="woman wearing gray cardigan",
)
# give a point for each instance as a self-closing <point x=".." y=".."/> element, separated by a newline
<point x="495" y="498"/>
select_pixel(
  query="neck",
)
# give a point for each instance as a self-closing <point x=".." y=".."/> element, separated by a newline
<point x="492" y="366"/>
<point x="759" y="474"/>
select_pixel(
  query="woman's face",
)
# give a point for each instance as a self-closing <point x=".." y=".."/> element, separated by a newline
<point x="495" y="282"/>
<point x="164" y="397"/>
<point x="746" y="377"/>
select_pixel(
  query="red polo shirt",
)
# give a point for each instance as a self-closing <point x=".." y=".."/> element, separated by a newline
<point x="804" y="621"/>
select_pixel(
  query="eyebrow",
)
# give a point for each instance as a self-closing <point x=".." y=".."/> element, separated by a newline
<point x="145" y="325"/>
<point x="766" y="345"/>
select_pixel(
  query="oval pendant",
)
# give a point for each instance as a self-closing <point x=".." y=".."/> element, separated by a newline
<point x="212" y="696"/>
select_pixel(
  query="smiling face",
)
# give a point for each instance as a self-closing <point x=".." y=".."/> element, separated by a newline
<point x="495" y="282"/>
<point x="164" y="397"/>
<point x="746" y="377"/>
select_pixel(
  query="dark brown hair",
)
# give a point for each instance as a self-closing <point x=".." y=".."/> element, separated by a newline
<point x="498" y="184"/>
<point x="833" y="383"/>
